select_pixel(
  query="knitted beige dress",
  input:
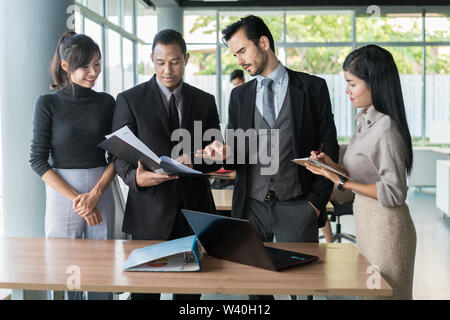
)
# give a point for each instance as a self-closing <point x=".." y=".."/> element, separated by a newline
<point x="385" y="232"/>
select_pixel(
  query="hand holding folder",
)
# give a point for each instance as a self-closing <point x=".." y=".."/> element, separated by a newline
<point x="126" y="146"/>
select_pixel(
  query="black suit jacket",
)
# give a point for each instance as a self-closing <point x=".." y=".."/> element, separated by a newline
<point x="313" y="123"/>
<point x="150" y="212"/>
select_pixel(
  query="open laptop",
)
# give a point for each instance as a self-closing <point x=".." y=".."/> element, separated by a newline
<point x="236" y="240"/>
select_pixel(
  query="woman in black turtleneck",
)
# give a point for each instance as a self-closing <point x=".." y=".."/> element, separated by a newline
<point x="67" y="126"/>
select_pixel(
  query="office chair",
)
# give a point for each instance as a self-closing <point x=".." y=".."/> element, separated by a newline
<point x="341" y="210"/>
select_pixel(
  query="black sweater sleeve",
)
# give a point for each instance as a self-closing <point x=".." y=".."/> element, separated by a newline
<point x="41" y="141"/>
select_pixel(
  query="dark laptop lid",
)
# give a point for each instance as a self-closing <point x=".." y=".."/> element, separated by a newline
<point x="229" y="238"/>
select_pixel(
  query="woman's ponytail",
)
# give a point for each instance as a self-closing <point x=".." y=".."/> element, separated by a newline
<point x="60" y="77"/>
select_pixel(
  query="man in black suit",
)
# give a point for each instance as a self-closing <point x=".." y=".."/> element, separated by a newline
<point x="153" y="111"/>
<point x="288" y="202"/>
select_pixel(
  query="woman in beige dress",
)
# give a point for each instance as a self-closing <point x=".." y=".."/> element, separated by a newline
<point x="378" y="158"/>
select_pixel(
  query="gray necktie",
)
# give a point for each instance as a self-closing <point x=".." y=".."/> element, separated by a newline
<point x="268" y="102"/>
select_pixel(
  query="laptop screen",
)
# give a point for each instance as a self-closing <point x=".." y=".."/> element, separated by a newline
<point x="229" y="238"/>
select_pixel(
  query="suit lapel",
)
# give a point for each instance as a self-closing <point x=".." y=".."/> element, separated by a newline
<point x="297" y="96"/>
<point x="157" y="105"/>
<point x="186" y="110"/>
<point x="249" y="106"/>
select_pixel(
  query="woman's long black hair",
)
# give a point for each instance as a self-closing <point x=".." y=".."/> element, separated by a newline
<point x="377" y="68"/>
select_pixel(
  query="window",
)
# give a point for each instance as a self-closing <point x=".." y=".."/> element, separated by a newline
<point x="200" y="33"/>
<point x="200" y="27"/>
<point x="95" y="5"/>
<point x="128" y="20"/>
<point x="201" y="69"/>
<point x="114" y="64"/>
<point x="147" y="22"/>
<point x="113" y="11"/>
<point x="144" y="64"/>
<point x="318" y="27"/>
<point x="390" y="28"/>
<point x="273" y="19"/>
<point x="437" y="27"/>
<point x="326" y="62"/>
<point x="128" y="64"/>
<point x="308" y="40"/>
<point x="94" y="31"/>
<point x="78" y="22"/>
<point x="437" y="90"/>
<point x="437" y="84"/>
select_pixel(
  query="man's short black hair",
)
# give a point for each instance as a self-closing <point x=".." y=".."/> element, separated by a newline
<point x="169" y="36"/>
<point x="237" y="74"/>
<point x="254" y="28"/>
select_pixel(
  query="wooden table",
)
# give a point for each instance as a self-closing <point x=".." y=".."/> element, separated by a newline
<point x="42" y="264"/>
<point x="224" y="197"/>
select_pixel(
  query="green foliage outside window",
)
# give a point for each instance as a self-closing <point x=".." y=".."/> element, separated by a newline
<point x="333" y="28"/>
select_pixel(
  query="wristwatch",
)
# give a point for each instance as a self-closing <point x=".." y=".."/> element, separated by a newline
<point x="340" y="185"/>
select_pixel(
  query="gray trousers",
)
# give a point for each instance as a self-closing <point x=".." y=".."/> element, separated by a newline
<point x="287" y="221"/>
<point x="64" y="223"/>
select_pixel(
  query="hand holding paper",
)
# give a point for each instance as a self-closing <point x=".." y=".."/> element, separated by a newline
<point x="150" y="179"/>
<point x="324" y="158"/>
<point x="312" y="163"/>
<point x="330" y="175"/>
<point x="127" y="147"/>
<point x="321" y="164"/>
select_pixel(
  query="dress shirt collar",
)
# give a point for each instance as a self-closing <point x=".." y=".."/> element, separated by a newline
<point x="277" y="75"/>
<point x="368" y="116"/>
<point x="166" y="93"/>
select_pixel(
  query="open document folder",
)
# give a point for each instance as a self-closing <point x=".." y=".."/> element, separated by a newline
<point x="184" y="254"/>
<point x="319" y="164"/>
<point x="126" y="146"/>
